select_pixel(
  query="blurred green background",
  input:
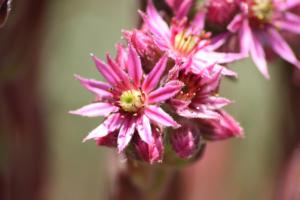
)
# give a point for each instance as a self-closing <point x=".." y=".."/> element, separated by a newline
<point x="77" y="171"/>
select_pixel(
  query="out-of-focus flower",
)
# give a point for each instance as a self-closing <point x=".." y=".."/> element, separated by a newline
<point x="220" y="12"/>
<point x="259" y="25"/>
<point x="129" y="101"/>
<point x="186" y="41"/>
<point x="185" y="140"/>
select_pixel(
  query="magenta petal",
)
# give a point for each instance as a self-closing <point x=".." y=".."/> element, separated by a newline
<point x="288" y="4"/>
<point x="106" y="71"/>
<point x="198" y="22"/>
<point x="99" y="88"/>
<point x="100" y="131"/>
<point x="211" y="102"/>
<point x="157" y="115"/>
<point x="258" y="57"/>
<point x="184" y="8"/>
<point x="144" y="130"/>
<point x="95" y="110"/>
<point x="185" y="141"/>
<point x="216" y="57"/>
<point x="281" y="47"/>
<point x="126" y="133"/>
<point x="122" y="76"/>
<point x="236" y="23"/>
<point x="153" y="78"/>
<point x="165" y="93"/>
<point x="198" y="113"/>
<point x="134" y="65"/>
<point x="155" y="23"/>
<point x="245" y="37"/>
<point x="121" y="56"/>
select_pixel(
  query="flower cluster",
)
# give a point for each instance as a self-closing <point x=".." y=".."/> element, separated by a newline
<point x="161" y="91"/>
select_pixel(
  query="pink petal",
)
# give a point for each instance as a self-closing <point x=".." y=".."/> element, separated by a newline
<point x="236" y="23"/>
<point x="245" y="37"/>
<point x="198" y="113"/>
<point x="288" y="4"/>
<point x="211" y="102"/>
<point x="198" y="22"/>
<point x="134" y="65"/>
<point x="159" y="116"/>
<point x="122" y="76"/>
<point x="144" y="130"/>
<point x="165" y="93"/>
<point x="291" y="22"/>
<point x="184" y="8"/>
<point x="106" y="71"/>
<point x="121" y="56"/>
<point x="100" y="131"/>
<point x="126" y="133"/>
<point x="153" y="78"/>
<point x="95" y="110"/>
<point x="112" y="123"/>
<point x="281" y="47"/>
<point x="258" y="56"/>
<point x="155" y="23"/>
<point x="99" y="88"/>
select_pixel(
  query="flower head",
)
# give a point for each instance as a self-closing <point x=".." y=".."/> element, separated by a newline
<point x="129" y="101"/>
<point x="259" y="25"/>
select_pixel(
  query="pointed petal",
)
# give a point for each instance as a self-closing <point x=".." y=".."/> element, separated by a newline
<point x="211" y="102"/>
<point x="258" y="56"/>
<point x="236" y="23"/>
<point x="122" y="76"/>
<point x="99" y="88"/>
<point x="153" y="78"/>
<point x="106" y="71"/>
<point x="112" y="123"/>
<point x="184" y="9"/>
<point x="198" y="22"/>
<point x="245" y="37"/>
<point x="216" y="57"/>
<point x="288" y="4"/>
<point x="200" y="112"/>
<point x="95" y="110"/>
<point x="157" y="115"/>
<point x="144" y="130"/>
<point x="291" y="23"/>
<point x="281" y="47"/>
<point x="121" y="56"/>
<point x="157" y="26"/>
<point x="125" y="134"/>
<point x="165" y="93"/>
<point x="134" y="65"/>
<point x="100" y="131"/>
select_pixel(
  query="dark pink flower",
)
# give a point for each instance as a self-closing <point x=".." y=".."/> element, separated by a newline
<point x="129" y="101"/>
<point x="259" y="25"/>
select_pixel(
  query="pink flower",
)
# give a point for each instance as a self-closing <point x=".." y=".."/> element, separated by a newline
<point x="259" y="25"/>
<point x="199" y="101"/>
<point x="185" y="41"/>
<point x="129" y="100"/>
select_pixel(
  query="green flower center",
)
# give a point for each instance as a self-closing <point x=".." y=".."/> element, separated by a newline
<point x="184" y="43"/>
<point x="262" y="9"/>
<point x="131" y="100"/>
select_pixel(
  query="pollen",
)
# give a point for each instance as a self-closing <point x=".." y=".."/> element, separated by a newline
<point x="262" y="9"/>
<point x="185" y="43"/>
<point x="131" y="100"/>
